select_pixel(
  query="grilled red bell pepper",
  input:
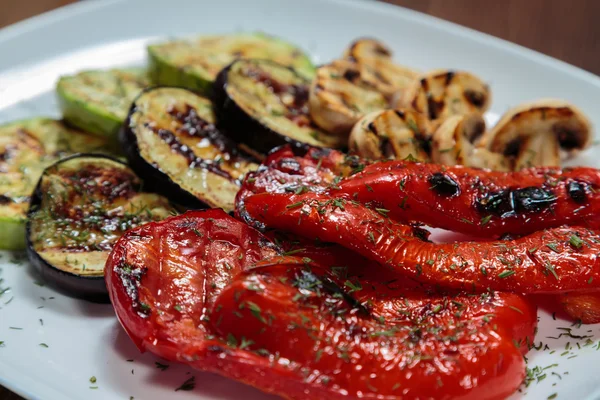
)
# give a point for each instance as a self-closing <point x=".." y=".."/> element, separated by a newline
<point x="291" y="327"/>
<point x="476" y="201"/>
<point x="460" y="199"/>
<point x="551" y="261"/>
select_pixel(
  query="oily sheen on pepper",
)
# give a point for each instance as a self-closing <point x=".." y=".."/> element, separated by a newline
<point x="207" y="290"/>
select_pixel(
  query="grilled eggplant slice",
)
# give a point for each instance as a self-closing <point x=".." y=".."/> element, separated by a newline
<point x="81" y="206"/>
<point x="98" y="101"/>
<point x="195" y="63"/>
<point x="264" y="104"/>
<point x="26" y="148"/>
<point x="171" y="140"/>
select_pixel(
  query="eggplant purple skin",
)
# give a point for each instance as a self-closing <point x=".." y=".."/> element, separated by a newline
<point x="154" y="179"/>
<point x="240" y="126"/>
<point x="88" y="288"/>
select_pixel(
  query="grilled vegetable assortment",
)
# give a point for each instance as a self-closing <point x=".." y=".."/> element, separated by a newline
<point x="98" y="101"/>
<point x="26" y="148"/>
<point x="194" y="63"/>
<point x="326" y="286"/>
<point x="171" y="140"/>
<point x="81" y="206"/>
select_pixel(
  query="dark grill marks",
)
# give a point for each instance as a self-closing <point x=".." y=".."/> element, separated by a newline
<point x="434" y="107"/>
<point x="444" y="185"/>
<point x="568" y="137"/>
<point x="5" y="200"/>
<point x="130" y="278"/>
<point x="193" y="125"/>
<point x="509" y="203"/>
<point x="449" y="77"/>
<point x="351" y="74"/>
<point x="115" y="183"/>
<point x="577" y="191"/>
<point x="474" y="97"/>
<point x="194" y="161"/>
<point x="297" y="107"/>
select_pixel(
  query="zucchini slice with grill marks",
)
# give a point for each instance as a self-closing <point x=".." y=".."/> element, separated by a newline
<point x="81" y="206"/>
<point x="264" y="104"/>
<point x="26" y="148"/>
<point x="171" y="141"/>
<point x="98" y="101"/>
<point x="194" y="63"/>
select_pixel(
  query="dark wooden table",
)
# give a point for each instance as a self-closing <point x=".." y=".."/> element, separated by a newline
<point x="567" y="30"/>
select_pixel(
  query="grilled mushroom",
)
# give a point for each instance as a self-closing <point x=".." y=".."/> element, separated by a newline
<point x="440" y="94"/>
<point x="377" y="67"/>
<point x="454" y="143"/>
<point x="396" y="134"/>
<point x="339" y="96"/>
<point x="539" y="133"/>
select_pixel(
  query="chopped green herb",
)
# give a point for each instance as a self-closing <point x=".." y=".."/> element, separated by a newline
<point x="506" y="274"/>
<point x="553" y="247"/>
<point x="44" y="345"/>
<point x="382" y="211"/>
<point x="162" y="367"/>
<point x="575" y="241"/>
<point x="188" y="385"/>
<point x="294" y="205"/>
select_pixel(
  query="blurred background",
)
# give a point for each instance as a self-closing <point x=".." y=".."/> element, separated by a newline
<point x="567" y="30"/>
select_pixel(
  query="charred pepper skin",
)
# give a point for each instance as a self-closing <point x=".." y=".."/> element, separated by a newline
<point x="178" y="287"/>
<point x="472" y="201"/>
<point x="556" y="260"/>
<point x="479" y="202"/>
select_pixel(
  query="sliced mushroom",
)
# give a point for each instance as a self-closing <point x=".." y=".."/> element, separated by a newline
<point x="397" y="134"/>
<point x="539" y="133"/>
<point x="375" y="62"/>
<point x="453" y="143"/>
<point x="339" y="96"/>
<point x="440" y="94"/>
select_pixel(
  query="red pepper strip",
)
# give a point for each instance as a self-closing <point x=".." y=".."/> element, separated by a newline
<point x="159" y="272"/>
<point x="448" y="350"/>
<point x="387" y="293"/>
<point x="478" y="202"/>
<point x="584" y="307"/>
<point x="284" y="172"/>
<point x="163" y="277"/>
<point x="551" y="261"/>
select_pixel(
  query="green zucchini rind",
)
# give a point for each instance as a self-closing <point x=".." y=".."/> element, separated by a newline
<point x="194" y="63"/>
<point x="26" y="148"/>
<point x="98" y="101"/>
<point x="264" y="105"/>
<point x="81" y="206"/>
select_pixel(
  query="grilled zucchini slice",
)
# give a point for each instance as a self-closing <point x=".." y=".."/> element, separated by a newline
<point x="98" y="101"/>
<point x="264" y="104"/>
<point x="81" y="206"/>
<point x="26" y="148"/>
<point x="194" y="63"/>
<point x="171" y="141"/>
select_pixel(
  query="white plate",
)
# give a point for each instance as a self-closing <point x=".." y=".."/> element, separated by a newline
<point x="84" y="339"/>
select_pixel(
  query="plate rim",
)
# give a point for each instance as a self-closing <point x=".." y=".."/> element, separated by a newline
<point x="13" y="31"/>
<point x="64" y="13"/>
